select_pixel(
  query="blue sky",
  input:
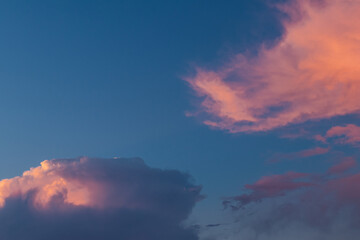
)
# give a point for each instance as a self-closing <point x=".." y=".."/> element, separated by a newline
<point x="106" y="79"/>
<point x="102" y="78"/>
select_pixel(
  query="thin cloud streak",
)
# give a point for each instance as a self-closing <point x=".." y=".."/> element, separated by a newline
<point x="300" y="154"/>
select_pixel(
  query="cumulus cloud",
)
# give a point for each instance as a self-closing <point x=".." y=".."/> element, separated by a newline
<point x="301" y="205"/>
<point x="90" y="198"/>
<point x="311" y="73"/>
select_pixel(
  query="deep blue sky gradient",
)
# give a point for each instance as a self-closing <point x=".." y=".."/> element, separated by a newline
<point x="105" y="79"/>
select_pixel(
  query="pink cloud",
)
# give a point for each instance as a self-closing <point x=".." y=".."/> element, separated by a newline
<point x="347" y="189"/>
<point x="300" y="154"/>
<point x="311" y="73"/>
<point x="316" y="206"/>
<point x="270" y="187"/>
<point x="320" y="138"/>
<point x="343" y="166"/>
<point x="282" y="184"/>
<point x="349" y="134"/>
<point x="313" y="152"/>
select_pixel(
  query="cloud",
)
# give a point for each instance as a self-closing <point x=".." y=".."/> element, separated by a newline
<point x="348" y="134"/>
<point x="269" y="187"/>
<point x="304" y="206"/>
<point x="300" y="154"/>
<point x="343" y="166"/>
<point x="311" y="73"/>
<point x="90" y="198"/>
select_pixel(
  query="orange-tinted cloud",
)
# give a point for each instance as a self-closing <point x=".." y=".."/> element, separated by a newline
<point x="89" y="198"/>
<point x="48" y="181"/>
<point x="311" y="73"/>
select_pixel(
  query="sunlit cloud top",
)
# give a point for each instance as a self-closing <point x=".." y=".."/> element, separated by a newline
<point x="89" y="198"/>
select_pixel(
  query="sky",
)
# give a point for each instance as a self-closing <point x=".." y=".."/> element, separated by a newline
<point x="180" y="119"/>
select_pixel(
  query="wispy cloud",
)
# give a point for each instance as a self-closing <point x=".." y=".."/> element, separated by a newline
<point x="301" y="205"/>
<point x="89" y="198"/>
<point x="300" y="154"/>
<point x="348" y="134"/>
<point x="344" y="165"/>
<point x="311" y="73"/>
<point x="269" y="187"/>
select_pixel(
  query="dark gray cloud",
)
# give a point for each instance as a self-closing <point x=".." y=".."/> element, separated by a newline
<point x="90" y="198"/>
